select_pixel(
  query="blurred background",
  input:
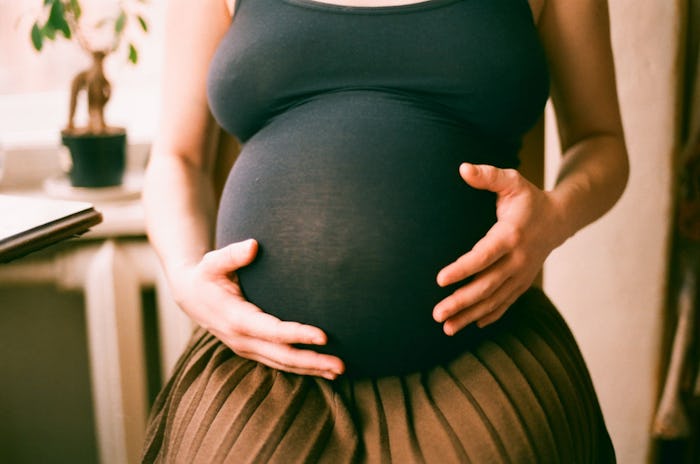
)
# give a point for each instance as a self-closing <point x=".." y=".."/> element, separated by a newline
<point x="88" y="331"/>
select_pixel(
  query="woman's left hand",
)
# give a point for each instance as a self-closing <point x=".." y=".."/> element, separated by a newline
<point x="505" y="262"/>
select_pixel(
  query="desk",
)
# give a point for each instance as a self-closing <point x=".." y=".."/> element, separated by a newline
<point x="111" y="264"/>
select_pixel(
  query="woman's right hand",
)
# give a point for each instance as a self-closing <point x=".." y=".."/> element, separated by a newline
<point x="210" y="294"/>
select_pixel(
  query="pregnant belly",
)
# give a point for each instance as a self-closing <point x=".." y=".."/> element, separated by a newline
<point x="357" y="204"/>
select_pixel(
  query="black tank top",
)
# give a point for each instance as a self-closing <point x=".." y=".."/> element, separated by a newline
<point x="354" y="122"/>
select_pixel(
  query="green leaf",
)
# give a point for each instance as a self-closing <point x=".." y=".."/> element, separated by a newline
<point x="57" y="21"/>
<point x="48" y="31"/>
<point x="65" y="30"/>
<point x="48" y="2"/>
<point x="75" y="8"/>
<point x="37" y="37"/>
<point x="143" y="23"/>
<point x="57" y="15"/>
<point x="133" y="54"/>
<point x="120" y="22"/>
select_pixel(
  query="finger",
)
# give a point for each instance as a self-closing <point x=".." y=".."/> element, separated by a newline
<point x="481" y="288"/>
<point x="493" y="316"/>
<point x="492" y="247"/>
<point x="231" y="257"/>
<point x="501" y="310"/>
<point x="327" y="374"/>
<point x="291" y="359"/>
<point x="478" y="311"/>
<point x="491" y="178"/>
<point x="250" y="321"/>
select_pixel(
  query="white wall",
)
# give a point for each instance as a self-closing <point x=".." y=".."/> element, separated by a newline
<point x="609" y="280"/>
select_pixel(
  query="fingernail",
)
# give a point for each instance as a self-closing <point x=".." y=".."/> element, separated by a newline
<point x="464" y="166"/>
<point x="338" y="370"/>
<point x="440" y="280"/>
<point x="329" y="376"/>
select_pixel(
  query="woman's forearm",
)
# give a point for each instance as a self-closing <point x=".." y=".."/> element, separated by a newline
<point x="592" y="177"/>
<point x="178" y="194"/>
<point x="180" y="211"/>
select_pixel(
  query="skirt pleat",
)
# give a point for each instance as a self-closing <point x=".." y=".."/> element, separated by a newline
<point x="521" y="393"/>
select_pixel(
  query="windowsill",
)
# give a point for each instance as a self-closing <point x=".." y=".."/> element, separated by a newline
<point x="31" y="150"/>
<point x="30" y="141"/>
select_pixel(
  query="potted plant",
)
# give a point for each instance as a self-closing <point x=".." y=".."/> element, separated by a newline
<point x="98" y="151"/>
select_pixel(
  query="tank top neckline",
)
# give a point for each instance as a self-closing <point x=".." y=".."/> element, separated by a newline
<point x="416" y="6"/>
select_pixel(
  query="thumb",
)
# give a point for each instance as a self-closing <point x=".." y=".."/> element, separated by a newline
<point x="231" y="257"/>
<point x="491" y="178"/>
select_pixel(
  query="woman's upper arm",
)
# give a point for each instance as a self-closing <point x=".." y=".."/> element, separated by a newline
<point x="576" y="38"/>
<point x="187" y="129"/>
<point x="231" y="6"/>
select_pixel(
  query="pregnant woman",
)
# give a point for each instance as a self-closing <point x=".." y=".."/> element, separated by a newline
<point x="362" y="282"/>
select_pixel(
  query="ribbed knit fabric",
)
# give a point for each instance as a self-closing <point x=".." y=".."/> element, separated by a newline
<point x="354" y="121"/>
<point x="521" y="394"/>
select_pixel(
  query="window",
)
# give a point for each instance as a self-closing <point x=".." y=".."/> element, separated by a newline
<point x="34" y="87"/>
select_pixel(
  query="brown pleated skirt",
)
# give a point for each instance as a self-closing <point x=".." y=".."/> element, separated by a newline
<point x="522" y="394"/>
